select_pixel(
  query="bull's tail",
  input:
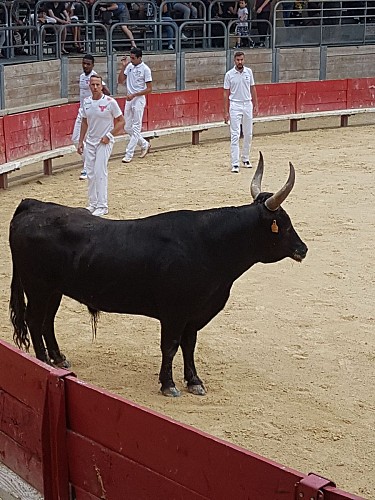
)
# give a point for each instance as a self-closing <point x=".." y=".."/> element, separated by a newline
<point x="94" y="320"/>
<point x="17" y="308"/>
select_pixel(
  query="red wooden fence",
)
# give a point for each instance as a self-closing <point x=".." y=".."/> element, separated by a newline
<point x="59" y="433"/>
<point x="24" y="134"/>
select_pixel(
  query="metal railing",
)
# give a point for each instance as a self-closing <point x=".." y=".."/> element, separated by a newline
<point x="324" y="23"/>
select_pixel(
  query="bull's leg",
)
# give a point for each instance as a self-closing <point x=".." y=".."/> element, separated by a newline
<point x="34" y="317"/>
<point x="169" y="346"/>
<point x="57" y="358"/>
<point x="188" y="341"/>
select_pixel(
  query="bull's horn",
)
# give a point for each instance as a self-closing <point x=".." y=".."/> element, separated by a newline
<point x="256" y="183"/>
<point x="276" y="199"/>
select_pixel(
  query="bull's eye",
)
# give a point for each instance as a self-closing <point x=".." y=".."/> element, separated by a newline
<point x="274" y="227"/>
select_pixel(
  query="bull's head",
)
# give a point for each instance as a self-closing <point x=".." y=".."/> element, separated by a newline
<point x="282" y="239"/>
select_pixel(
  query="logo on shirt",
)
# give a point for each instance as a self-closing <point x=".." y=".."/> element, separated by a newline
<point x="102" y="108"/>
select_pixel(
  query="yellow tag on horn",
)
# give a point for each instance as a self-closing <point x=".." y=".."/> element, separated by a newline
<point x="274" y="227"/>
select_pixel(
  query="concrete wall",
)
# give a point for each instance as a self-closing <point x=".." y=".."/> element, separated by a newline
<point x="33" y="85"/>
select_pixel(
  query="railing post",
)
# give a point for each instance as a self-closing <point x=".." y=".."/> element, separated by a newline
<point x="2" y="87"/>
<point x="54" y="450"/>
<point x="323" y="62"/>
<point x="275" y="65"/>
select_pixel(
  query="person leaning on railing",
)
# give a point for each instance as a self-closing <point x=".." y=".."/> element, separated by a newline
<point x="263" y="12"/>
<point x="119" y="12"/>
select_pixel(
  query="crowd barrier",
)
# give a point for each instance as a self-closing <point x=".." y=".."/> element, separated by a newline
<point x="69" y="440"/>
<point x="44" y="134"/>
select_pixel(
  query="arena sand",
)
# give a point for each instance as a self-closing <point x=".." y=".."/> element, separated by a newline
<point x="289" y="364"/>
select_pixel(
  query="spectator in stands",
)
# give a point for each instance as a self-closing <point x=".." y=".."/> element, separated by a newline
<point x="101" y="121"/>
<point x="169" y="30"/>
<point x="57" y="10"/>
<point x="136" y="76"/>
<point x="242" y="28"/>
<point x="263" y="12"/>
<point x="287" y="10"/>
<point x="214" y="11"/>
<point x="74" y="10"/>
<point x="3" y="22"/>
<point x="239" y="98"/>
<point x="120" y="13"/>
<point x="85" y="91"/>
<point x="186" y="10"/>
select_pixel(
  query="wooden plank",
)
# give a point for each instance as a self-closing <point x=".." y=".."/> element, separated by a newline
<point x="13" y="487"/>
<point x="21" y="461"/>
<point x="106" y="474"/>
<point x="23" y="377"/>
<point x="21" y="423"/>
<point x="220" y="470"/>
<point x="26" y="134"/>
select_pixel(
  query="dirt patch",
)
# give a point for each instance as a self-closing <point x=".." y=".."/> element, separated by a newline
<point x="289" y="365"/>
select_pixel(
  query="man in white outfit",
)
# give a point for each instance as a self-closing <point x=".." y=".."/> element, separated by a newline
<point x="102" y="119"/>
<point x="84" y="91"/>
<point x="239" y="98"/>
<point x="136" y="75"/>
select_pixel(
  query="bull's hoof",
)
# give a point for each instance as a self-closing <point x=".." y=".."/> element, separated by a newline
<point x="62" y="363"/>
<point x="171" y="392"/>
<point x="198" y="390"/>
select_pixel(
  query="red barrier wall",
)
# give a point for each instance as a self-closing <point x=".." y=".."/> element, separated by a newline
<point x="361" y="93"/>
<point x="27" y="134"/>
<point x="321" y="96"/>
<point x="210" y="105"/>
<point x="2" y="141"/>
<point x="173" y="109"/>
<point x="56" y="430"/>
<point x="42" y="130"/>
<point x="276" y="99"/>
<point x="61" y="120"/>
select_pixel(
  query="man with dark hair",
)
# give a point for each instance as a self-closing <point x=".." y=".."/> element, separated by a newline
<point x="239" y="98"/>
<point x="136" y="75"/>
<point x="88" y="62"/>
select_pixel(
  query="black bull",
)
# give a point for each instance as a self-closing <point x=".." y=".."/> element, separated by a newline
<point x="177" y="267"/>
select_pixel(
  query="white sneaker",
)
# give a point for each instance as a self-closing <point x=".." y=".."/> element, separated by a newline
<point x="184" y="37"/>
<point x="83" y="175"/>
<point x="145" y="150"/>
<point x="235" y="169"/>
<point x="91" y="209"/>
<point x="247" y="164"/>
<point x="99" y="212"/>
<point x="126" y="159"/>
<point x="170" y="47"/>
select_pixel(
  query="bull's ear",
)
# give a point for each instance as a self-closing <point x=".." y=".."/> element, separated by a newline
<point x="276" y="199"/>
<point x="256" y="183"/>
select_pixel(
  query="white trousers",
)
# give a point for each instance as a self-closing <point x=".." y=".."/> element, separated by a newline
<point x="76" y="132"/>
<point x="240" y="113"/>
<point x="96" y="162"/>
<point x="133" y="114"/>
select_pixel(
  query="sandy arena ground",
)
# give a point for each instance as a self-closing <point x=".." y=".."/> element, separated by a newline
<point x="289" y="365"/>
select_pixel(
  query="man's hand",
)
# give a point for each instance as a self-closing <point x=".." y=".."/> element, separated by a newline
<point x="226" y="117"/>
<point x="130" y="97"/>
<point x="104" y="140"/>
<point x="80" y="148"/>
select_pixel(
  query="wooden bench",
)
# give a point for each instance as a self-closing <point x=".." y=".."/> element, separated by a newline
<point x="294" y="118"/>
<point x="46" y="157"/>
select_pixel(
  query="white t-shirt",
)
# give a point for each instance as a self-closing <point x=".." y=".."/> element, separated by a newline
<point x="84" y="86"/>
<point x="137" y="77"/>
<point x="100" y="116"/>
<point x="239" y="83"/>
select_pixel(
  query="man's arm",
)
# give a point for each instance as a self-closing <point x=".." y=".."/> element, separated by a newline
<point x="106" y="90"/>
<point x="121" y="76"/>
<point x="254" y="97"/>
<point x="118" y="128"/>
<point x="226" y="105"/>
<point x="82" y="135"/>
<point x="146" y="91"/>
